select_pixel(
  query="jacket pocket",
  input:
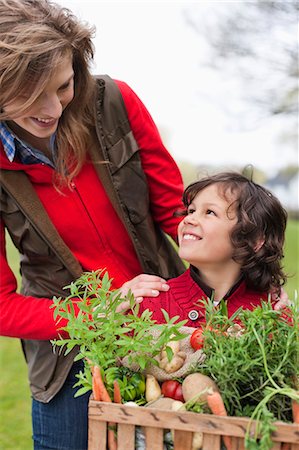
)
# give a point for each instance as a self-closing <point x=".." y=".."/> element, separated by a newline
<point x="129" y="178"/>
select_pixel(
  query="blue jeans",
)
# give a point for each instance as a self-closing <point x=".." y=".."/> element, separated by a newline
<point x="62" y="423"/>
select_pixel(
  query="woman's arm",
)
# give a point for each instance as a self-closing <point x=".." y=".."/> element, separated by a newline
<point x="164" y="178"/>
<point x="22" y="316"/>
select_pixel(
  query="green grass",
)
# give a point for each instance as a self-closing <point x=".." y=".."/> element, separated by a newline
<point x="291" y="260"/>
<point x="15" y="422"/>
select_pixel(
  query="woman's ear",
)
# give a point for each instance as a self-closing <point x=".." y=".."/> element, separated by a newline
<point x="259" y="244"/>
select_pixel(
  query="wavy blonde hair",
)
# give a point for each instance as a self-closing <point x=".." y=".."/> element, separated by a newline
<point x="34" y="36"/>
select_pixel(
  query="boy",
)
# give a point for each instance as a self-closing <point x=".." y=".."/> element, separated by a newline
<point x="232" y="235"/>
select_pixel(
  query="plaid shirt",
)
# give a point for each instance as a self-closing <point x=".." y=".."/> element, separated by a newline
<point x="13" y="146"/>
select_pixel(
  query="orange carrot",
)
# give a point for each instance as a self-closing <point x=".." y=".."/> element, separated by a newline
<point x="112" y="443"/>
<point x="295" y="410"/>
<point x="285" y="446"/>
<point x="99" y="386"/>
<point x="95" y="386"/>
<point x="216" y="405"/>
<point x="116" y="392"/>
<point x="100" y="393"/>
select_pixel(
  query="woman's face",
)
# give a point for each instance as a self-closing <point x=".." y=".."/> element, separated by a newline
<point x="40" y="121"/>
<point x="204" y="234"/>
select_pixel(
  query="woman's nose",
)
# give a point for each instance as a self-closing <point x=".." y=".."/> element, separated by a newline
<point x="51" y="106"/>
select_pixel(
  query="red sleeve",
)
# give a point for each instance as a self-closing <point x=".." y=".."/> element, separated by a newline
<point x="164" y="178"/>
<point x="22" y="316"/>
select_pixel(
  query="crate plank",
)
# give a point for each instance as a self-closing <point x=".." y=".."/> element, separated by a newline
<point x="154" y="438"/>
<point x="97" y="434"/>
<point x="276" y="446"/>
<point x="211" y="442"/>
<point x="126" y="437"/>
<point x="183" y="440"/>
<point x="238" y="443"/>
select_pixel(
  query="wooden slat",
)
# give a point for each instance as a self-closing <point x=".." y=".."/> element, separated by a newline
<point x="183" y="440"/>
<point x="126" y="437"/>
<point x="97" y="435"/>
<point x="276" y="446"/>
<point x="188" y="421"/>
<point x="154" y="438"/>
<point x="211" y="442"/>
<point x="238" y="443"/>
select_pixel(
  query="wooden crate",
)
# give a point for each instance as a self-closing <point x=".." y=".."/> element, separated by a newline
<point x="155" y="422"/>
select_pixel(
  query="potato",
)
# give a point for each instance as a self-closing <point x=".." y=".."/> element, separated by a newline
<point x="175" y="364"/>
<point x="152" y="388"/>
<point x="175" y="347"/>
<point x="197" y="384"/>
<point x="162" y="403"/>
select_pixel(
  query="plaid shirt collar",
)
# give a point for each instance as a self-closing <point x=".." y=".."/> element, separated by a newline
<point x="13" y="146"/>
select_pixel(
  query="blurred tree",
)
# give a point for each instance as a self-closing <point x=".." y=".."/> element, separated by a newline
<point x="189" y="172"/>
<point x="253" y="44"/>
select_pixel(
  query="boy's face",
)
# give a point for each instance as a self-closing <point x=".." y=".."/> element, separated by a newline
<point x="204" y="234"/>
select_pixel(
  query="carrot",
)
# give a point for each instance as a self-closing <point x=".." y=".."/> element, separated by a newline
<point x="116" y="392"/>
<point x="295" y="410"/>
<point x="98" y="386"/>
<point x="285" y="446"/>
<point x="216" y="405"/>
<point x="105" y="397"/>
<point x="112" y="443"/>
<point x="95" y="386"/>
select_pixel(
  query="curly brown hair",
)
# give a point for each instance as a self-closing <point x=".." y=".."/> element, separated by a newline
<point x="259" y="234"/>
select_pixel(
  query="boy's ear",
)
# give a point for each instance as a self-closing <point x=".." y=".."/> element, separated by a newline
<point x="259" y="244"/>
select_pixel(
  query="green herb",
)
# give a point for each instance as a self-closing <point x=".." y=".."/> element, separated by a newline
<point x="256" y="372"/>
<point x="103" y="335"/>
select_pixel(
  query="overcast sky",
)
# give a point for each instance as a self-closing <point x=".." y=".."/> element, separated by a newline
<point x="150" y="46"/>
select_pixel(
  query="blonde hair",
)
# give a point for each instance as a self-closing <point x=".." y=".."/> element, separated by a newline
<point x="34" y="36"/>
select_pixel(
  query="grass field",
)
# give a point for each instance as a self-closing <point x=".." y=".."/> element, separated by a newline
<point x="15" y="426"/>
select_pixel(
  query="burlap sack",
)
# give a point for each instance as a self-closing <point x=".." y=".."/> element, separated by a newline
<point x="193" y="359"/>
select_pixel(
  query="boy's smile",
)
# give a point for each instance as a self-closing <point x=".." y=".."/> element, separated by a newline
<point x="204" y="234"/>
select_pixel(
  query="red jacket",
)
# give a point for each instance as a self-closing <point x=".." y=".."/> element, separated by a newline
<point x="87" y="222"/>
<point x="184" y="294"/>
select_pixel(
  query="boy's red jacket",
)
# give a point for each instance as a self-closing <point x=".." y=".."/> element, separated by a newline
<point x="182" y="299"/>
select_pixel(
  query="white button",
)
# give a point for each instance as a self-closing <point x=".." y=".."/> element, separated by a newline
<point x="193" y="314"/>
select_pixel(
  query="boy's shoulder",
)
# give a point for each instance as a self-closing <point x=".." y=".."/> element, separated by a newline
<point x="247" y="298"/>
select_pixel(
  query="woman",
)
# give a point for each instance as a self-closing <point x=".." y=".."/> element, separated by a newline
<point x="82" y="188"/>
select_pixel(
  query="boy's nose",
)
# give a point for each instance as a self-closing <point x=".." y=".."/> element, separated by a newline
<point x="190" y="219"/>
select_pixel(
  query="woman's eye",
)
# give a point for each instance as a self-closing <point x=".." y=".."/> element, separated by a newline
<point x="67" y="85"/>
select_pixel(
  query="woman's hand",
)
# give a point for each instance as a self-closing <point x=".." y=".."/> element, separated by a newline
<point x="282" y="301"/>
<point x="142" y="286"/>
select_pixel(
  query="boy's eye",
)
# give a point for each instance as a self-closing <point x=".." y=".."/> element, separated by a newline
<point x="211" y="212"/>
<point x="190" y="210"/>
